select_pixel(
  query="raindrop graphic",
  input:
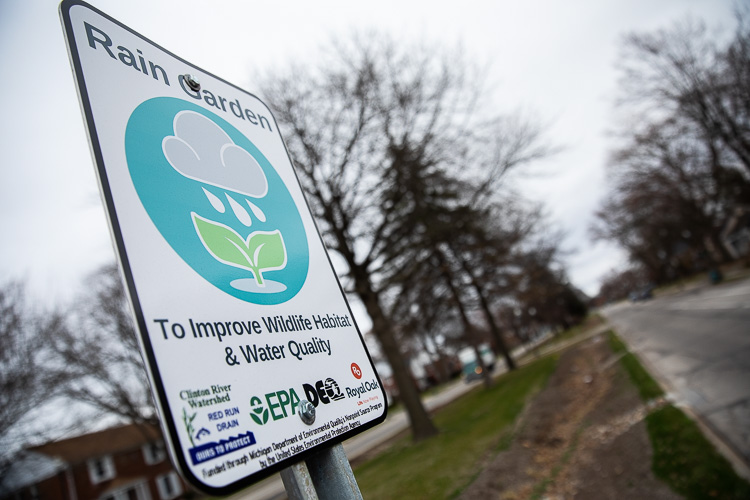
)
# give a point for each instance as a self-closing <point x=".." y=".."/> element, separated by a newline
<point x="256" y="211"/>
<point x="162" y="137"/>
<point x="215" y="201"/>
<point x="240" y="212"/>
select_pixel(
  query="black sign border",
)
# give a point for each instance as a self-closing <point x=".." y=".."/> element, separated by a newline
<point x="167" y="419"/>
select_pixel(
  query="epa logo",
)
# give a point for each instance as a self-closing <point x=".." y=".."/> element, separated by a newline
<point x="259" y="412"/>
<point x="217" y="201"/>
<point x="278" y="405"/>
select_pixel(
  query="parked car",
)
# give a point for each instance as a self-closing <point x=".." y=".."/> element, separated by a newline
<point x="471" y="370"/>
<point x="643" y="293"/>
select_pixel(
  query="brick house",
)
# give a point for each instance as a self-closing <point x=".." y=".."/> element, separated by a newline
<point x="121" y="463"/>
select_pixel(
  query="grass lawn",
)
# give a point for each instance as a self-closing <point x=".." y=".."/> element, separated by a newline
<point x="688" y="462"/>
<point x="472" y="429"/>
<point x="646" y="385"/>
<point x="479" y="425"/>
<point x="683" y="457"/>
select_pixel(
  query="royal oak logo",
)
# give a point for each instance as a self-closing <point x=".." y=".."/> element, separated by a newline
<point x="367" y="386"/>
<point x="278" y="405"/>
<point x="324" y="391"/>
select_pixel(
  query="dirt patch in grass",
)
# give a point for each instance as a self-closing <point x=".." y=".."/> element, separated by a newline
<point x="472" y="431"/>
<point x="582" y="437"/>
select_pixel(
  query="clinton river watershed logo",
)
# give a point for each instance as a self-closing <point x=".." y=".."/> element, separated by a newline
<point x="217" y="201"/>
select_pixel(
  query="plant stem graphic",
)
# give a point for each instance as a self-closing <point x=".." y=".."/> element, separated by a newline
<point x="262" y="251"/>
<point x="188" y="421"/>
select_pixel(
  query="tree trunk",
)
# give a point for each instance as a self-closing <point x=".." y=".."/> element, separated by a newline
<point x="421" y="423"/>
<point x="470" y="330"/>
<point x="437" y="362"/>
<point x="497" y="335"/>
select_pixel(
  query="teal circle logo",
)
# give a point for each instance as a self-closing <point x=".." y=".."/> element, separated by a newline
<point x="217" y="201"/>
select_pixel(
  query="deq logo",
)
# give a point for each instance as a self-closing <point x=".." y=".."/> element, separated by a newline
<point x="323" y="392"/>
<point x="217" y="201"/>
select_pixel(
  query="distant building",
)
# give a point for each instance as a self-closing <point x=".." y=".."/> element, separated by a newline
<point x="121" y="463"/>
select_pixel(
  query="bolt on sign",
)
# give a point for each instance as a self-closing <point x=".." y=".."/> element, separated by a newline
<point x="253" y="354"/>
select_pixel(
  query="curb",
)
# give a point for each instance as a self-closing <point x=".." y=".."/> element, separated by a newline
<point x="723" y="446"/>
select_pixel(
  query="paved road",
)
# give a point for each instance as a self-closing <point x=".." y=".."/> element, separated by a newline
<point x="697" y="342"/>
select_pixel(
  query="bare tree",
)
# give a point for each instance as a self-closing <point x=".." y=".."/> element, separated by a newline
<point x="99" y="353"/>
<point x="543" y="291"/>
<point x="671" y="193"/>
<point x="485" y="253"/>
<point x="684" y="163"/>
<point x="25" y="384"/>
<point x="427" y="319"/>
<point x="618" y="284"/>
<point x="687" y="72"/>
<point x="359" y="127"/>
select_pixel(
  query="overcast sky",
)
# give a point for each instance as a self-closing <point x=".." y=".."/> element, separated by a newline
<point x="554" y="59"/>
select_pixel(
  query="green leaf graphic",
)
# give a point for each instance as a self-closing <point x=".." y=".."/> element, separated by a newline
<point x="263" y="250"/>
<point x="267" y="250"/>
<point x="257" y="419"/>
<point x="222" y="242"/>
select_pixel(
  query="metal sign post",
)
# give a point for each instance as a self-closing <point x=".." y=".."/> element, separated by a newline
<point x="252" y="350"/>
<point x="325" y="475"/>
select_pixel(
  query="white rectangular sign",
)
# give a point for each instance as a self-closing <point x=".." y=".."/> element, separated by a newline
<point x="240" y="315"/>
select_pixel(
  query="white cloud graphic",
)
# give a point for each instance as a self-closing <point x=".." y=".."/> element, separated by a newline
<point x="202" y="151"/>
